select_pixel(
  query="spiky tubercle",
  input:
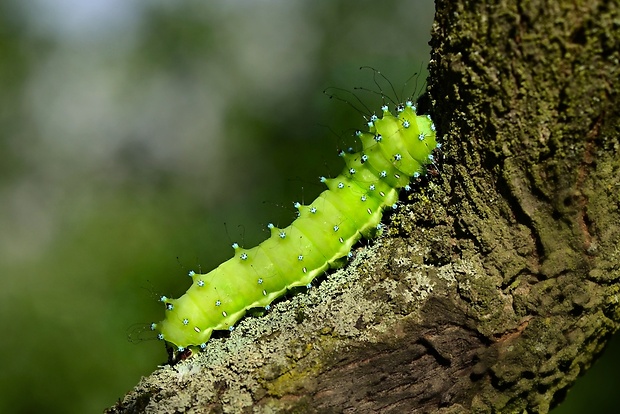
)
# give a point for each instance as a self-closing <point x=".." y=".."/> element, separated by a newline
<point x="395" y="149"/>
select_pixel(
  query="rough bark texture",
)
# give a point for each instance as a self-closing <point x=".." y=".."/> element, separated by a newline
<point x="498" y="283"/>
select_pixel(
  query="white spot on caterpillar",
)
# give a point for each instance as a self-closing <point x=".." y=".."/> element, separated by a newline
<point x="203" y="345"/>
<point x="364" y="158"/>
<point x="363" y="198"/>
<point x="383" y="174"/>
<point x="224" y="314"/>
<point x="267" y="307"/>
<point x="431" y="158"/>
<point x="218" y="302"/>
<point x="160" y="336"/>
<point x="305" y="270"/>
<point x="196" y="329"/>
<point x="371" y="187"/>
<point x="300" y="257"/>
<point x="381" y="193"/>
<point x="421" y="136"/>
<point x="270" y="226"/>
<point x="181" y="349"/>
<point x="153" y="326"/>
<point x="380" y="226"/>
<point x="340" y="185"/>
<point x="398" y="157"/>
<point x="169" y="306"/>
<point x="201" y="283"/>
<point x="406" y="124"/>
<point x="336" y="228"/>
<point x="322" y="179"/>
<point x="260" y="281"/>
<point x="397" y="176"/>
<point x="297" y="205"/>
<point x="235" y="246"/>
<point x="282" y="234"/>
<point x="369" y="211"/>
<point x="384" y="108"/>
<point x="191" y="273"/>
<point x="264" y="293"/>
<point x="407" y="187"/>
<point x="163" y="299"/>
<point x="378" y="137"/>
<point x="358" y="133"/>
<point x="340" y="239"/>
<point x="244" y="256"/>
<point x="231" y="328"/>
<point x="313" y="210"/>
<point x="352" y="171"/>
<point x="433" y="127"/>
<point x="185" y="321"/>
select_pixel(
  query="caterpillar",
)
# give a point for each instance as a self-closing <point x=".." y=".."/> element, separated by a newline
<point x="397" y="147"/>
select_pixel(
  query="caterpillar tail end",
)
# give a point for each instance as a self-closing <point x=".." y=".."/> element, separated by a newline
<point x="176" y="353"/>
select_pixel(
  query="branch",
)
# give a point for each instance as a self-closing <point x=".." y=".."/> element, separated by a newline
<point x="497" y="284"/>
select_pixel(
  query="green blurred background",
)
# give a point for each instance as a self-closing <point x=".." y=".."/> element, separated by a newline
<point x="138" y="139"/>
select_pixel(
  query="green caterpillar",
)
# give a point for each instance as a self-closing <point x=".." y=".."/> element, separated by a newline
<point x="396" y="148"/>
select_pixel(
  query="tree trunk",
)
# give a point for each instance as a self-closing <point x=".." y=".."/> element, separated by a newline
<point x="498" y="282"/>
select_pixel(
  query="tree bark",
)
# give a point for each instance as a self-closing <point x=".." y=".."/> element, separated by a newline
<point x="498" y="282"/>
